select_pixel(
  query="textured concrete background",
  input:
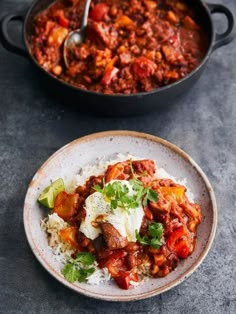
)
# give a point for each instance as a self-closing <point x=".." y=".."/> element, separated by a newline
<point x="33" y="126"/>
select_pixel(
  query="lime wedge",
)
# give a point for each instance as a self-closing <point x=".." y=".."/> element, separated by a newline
<point x="58" y="186"/>
<point x="47" y="197"/>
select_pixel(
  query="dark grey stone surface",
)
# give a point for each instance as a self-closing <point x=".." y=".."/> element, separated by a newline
<point x="33" y="126"/>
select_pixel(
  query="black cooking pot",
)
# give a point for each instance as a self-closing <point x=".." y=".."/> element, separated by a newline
<point x="117" y="105"/>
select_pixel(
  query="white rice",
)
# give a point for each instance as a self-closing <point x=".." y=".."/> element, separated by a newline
<point x="52" y="224"/>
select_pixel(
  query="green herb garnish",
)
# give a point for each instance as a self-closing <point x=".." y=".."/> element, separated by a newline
<point x="118" y="194"/>
<point x="145" y="193"/>
<point x="85" y="258"/>
<point x="154" y="238"/>
<point x="77" y="269"/>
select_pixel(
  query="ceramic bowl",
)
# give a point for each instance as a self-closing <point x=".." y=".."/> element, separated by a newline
<point x="66" y="163"/>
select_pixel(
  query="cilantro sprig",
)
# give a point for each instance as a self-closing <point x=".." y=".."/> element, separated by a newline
<point x="120" y="196"/>
<point x="78" y="269"/>
<point x="145" y="193"/>
<point x="154" y="237"/>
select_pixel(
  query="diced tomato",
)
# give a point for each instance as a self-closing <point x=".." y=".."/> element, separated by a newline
<point x="65" y="205"/>
<point x="174" y="236"/>
<point x="182" y="248"/>
<point x="61" y="19"/>
<point x="106" y="257"/>
<point x="143" y="67"/>
<point x="124" y="278"/>
<point x="115" y="266"/>
<point x="99" y="11"/>
<point x="68" y="235"/>
<point x="109" y="75"/>
<point x="178" y="243"/>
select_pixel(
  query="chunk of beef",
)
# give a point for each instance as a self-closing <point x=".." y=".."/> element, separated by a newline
<point x="112" y="237"/>
<point x="107" y="34"/>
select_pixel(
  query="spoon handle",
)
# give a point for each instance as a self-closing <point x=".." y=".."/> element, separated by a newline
<point x="85" y="14"/>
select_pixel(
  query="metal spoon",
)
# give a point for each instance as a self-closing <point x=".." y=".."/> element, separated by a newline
<point x="77" y="36"/>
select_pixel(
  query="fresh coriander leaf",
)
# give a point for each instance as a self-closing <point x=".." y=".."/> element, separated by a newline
<point x="133" y="204"/>
<point x="109" y="190"/>
<point x="82" y="275"/>
<point x="85" y="273"/>
<point x="90" y="271"/>
<point x="85" y="258"/>
<point x="127" y="199"/>
<point x="70" y="272"/>
<point x="136" y="184"/>
<point x="156" y="229"/>
<point x="139" y="195"/>
<point x="97" y="188"/>
<point x="114" y="204"/>
<point x="138" y="237"/>
<point x="142" y="240"/>
<point x="117" y="194"/>
<point x="145" y="200"/>
<point x="155" y="243"/>
<point x="152" y="195"/>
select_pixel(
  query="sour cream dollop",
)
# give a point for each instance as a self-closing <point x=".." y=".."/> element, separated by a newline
<point x="126" y="222"/>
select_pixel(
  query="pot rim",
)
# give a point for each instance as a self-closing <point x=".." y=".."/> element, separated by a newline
<point x="141" y="94"/>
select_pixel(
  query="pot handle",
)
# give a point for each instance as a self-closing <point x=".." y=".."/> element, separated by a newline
<point x="230" y="33"/>
<point x="5" y="38"/>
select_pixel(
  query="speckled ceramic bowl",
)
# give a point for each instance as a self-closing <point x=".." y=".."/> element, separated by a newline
<point x="85" y="151"/>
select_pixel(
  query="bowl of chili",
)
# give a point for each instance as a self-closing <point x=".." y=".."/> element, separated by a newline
<point x="186" y="209"/>
<point x="137" y="55"/>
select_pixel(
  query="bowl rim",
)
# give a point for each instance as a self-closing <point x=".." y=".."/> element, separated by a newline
<point x="120" y="96"/>
<point x="144" y="295"/>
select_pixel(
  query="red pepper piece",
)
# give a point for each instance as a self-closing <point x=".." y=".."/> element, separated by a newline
<point x="182" y="248"/>
<point x="62" y="20"/>
<point x="109" y="75"/>
<point x="99" y="11"/>
<point x="124" y="278"/>
<point x="106" y="257"/>
<point x="178" y="243"/>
